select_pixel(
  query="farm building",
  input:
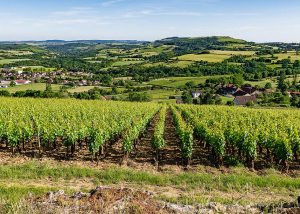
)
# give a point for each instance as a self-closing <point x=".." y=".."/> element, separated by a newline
<point x="294" y="93"/>
<point x="239" y="92"/>
<point x="243" y="100"/>
<point x="249" y="89"/>
<point x="22" y="82"/>
<point x="228" y="89"/>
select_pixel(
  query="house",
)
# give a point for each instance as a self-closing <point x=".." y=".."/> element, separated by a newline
<point x="196" y="94"/>
<point x="249" y="89"/>
<point x="22" y="82"/>
<point x="256" y="93"/>
<point x="239" y="92"/>
<point x="294" y="93"/>
<point x="228" y="89"/>
<point x="82" y="83"/>
<point x="243" y="100"/>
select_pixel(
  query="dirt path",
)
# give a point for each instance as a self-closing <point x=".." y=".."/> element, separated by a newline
<point x="200" y="156"/>
<point x="144" y="153"/>
<point x="171" y="154"/>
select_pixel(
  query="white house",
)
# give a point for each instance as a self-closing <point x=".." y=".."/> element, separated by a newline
<point x="196" y="94"/>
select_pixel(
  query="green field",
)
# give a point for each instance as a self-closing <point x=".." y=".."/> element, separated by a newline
<point x="228" y="53"/>
<point x="124" y="63"/>
<point x="177" y="82"/>
<point x="262" y="83"/>
<point x="204" y="57"/>
<point x="33" y="86"/>
<point x="214" y="56"/>
<point x="8" y="61"/>
<point x="157" y="95"/>
<point x="289" y="55"/>
<point x="38" y="68"/>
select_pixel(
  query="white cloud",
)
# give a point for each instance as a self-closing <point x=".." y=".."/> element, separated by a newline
<point x="111" y="2"/>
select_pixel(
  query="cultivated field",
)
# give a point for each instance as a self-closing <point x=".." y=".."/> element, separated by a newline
<point x="182" y="154"/>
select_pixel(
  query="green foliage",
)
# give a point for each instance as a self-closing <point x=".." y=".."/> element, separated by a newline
<point x="227" y="129"/>
<point x="139" y="97"/>
<point x="158" y="141"/>
<point x="185" y="133"/>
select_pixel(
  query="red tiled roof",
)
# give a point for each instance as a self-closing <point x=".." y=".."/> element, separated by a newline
<point x="239" y="92"/>
<point x="295" y="92"/>
<point x="21" y="81"/>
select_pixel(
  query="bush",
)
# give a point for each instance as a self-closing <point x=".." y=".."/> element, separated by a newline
<point x="139" y="97"/>
<point x="230" y="103"/>
<point x="250" y="103"/>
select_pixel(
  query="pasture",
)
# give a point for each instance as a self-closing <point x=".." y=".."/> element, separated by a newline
<point x="177" y="82"/>
<point x="33" y="86"/>
<point x="8" y="61"/>
<point x="214" y="56"/>
<point x="204" y="57"/>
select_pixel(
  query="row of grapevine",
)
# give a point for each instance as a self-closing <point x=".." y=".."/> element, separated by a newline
<point x="248" y="132"/>
<point x="158" y="141"/>
<point x="48" y="122"/>
<point x="132" y="134"/>
<point x="185" y="133"/>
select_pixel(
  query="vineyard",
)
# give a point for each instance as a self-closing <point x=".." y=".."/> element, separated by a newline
<point x="179" y="134"/>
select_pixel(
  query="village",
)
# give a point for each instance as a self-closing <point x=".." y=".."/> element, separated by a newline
<point x="231" y="94"/>
<point x="15" y="76"/>
<point x="245" y="95"/>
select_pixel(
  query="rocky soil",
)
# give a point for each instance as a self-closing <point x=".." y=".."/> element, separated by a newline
<point x="124" y="200"/>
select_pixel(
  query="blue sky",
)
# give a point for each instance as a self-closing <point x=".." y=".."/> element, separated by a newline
<point x="253" y="20"/>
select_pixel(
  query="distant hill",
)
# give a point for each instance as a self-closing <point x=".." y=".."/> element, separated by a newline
<point x="63" y="42"/>
<point x="191" y="44"/>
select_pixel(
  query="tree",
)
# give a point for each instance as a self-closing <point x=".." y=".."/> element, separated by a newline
<point x="12" y="83"/>
<point x="139" y="97"/>
<point x="4" y="93"/>
<point x="106" y="79"/>
<point x="190" y="84"/>
<point x="282" y="85"/>
<point x="218" y="100"/>
<point x="187" y="97"/>
<point x="295" y="79"/>
<point x="48" y="87"/>
<point x="114" y="90"/>
<point x="295" y="101"/>
<point x="296" y="64"/>
<point x="268" y="85"/>
<point x="238" y="79"/>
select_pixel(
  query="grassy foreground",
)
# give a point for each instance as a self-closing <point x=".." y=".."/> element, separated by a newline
<point x="238" y="186"/>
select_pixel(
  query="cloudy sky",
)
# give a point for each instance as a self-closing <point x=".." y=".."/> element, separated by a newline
<point x="253" y="20"/>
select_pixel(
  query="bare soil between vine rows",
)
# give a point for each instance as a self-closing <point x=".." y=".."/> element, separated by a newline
<point x="143" y="155"/>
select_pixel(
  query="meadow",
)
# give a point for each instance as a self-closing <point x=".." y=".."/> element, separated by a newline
<point x="7" y="61"/>
<point x="177" y="82"/>
<point x="32" y="86"/>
